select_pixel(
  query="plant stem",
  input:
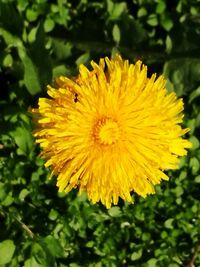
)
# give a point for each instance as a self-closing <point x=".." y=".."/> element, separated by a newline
<point x="4" y="213"/>
<point x="192" y="262"/>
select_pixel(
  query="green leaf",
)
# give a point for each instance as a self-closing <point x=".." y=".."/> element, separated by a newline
<point x="90" y="244"/>
<point x="73" y="264"/>
<point x="195" y="208"/>
<point x="166" y="22"/>
<point x="53" y="214"/>
<point x="146" y="236"/>
<point x="152" y="20"/>
<point x="54" y="8"/>
<point x="142" y="12"/>
<point x="179" y="200"/>
<point x="24" y="192"/>
<point x="54" y="246"/>
<point x="32" y="263"/>
<point x="83" y="59"/>
<point x="160" y="8"/>
<point x="10" y="39"/>
<point x="110" y="6"/>
<point x="31" y="78"/>
<point x="174" y="265"/>
<point x="195" y="142"/>
<point x="195" y="94"/>
<point x="23" y="139"/>
<point x="117" y="10"/>
<point x="115" y="212"/>
<point x="151" y="263"/>
<point x="136" y="255"/>
<point x="182" y="175"/>
<point x="39" y="253"/>
<point x="169" y="44"/>
<point x="41" y="58"/>
<point x="182" y="73"/>
<point x="32" y="34"/>
<point x="31" y="15"/>
<point x="61" y="70"/>
<point x="3" y="191"/>
<point x="116" y="33"/>
<point x="164" y="234"/>
<point x="194" y="165"/>
<point x="7" y="249"/>
<point x="197" y="179"/>
<point x="182" y="162"/>
<point x="169" y="223"/>
<point x="197" y="121"/>
<point x="191" y="124"/>
<point x="8" y="61"/>
<point x="49" y="24"/>
<point x="22" y="4"/>
<point x="179" y="191"/>
<point x="62" y="49"/>
<point x="8" y="200"/>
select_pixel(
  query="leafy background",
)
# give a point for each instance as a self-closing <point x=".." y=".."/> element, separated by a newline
<point x="42" y="39"/>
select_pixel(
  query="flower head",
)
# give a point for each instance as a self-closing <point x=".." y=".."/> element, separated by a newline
<point x="111" y="131"/>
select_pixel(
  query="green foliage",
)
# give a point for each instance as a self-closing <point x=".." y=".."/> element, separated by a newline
<point x="40" y="227"/>
<point x="7" y="249"/>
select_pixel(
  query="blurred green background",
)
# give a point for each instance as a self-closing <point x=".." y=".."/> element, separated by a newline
<point x="42" y="39"/>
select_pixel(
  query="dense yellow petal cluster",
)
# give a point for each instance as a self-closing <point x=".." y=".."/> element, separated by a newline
<point x="111" y="131"/>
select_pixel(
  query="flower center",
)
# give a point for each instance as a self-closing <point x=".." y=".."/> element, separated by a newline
<point x="106" y="131"/>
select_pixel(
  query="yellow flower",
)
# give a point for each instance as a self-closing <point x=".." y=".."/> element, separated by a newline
<point x="111" y="131"/>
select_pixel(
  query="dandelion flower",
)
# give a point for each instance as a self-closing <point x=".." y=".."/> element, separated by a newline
<point x="111" y="131"/>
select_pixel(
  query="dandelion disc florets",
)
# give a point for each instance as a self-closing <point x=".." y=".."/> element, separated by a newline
<point x="111" y="131"/>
